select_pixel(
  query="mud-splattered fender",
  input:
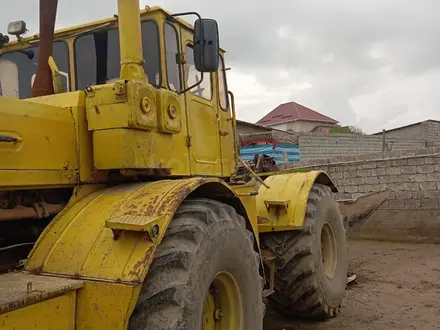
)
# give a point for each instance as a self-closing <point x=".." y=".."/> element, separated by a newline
<point x="283" y="206"/>
<point x="112" y="234"/>
<point x="108" y="237"/>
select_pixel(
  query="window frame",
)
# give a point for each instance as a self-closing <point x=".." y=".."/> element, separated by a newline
<point x="74" y="51"/>
<point x="159" y="85"/>
<point x="37" y="44"/>
<point x="179" y="65"/>
<point x="225" y="83"/>
<point x="190" y="45"/>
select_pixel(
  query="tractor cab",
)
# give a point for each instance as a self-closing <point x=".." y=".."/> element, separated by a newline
<point x="188" y="88"/>
<point x="89" y="55"/>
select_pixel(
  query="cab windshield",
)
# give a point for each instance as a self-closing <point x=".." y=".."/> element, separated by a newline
<point x="18" y="69"/>
<point x="97" y="56"/>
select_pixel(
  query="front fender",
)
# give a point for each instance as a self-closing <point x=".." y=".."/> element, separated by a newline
<point x="283" y="206"/>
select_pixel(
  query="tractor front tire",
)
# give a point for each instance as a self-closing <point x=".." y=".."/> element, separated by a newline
<point x="205" y="274"/>
<point x="311" y="264"/>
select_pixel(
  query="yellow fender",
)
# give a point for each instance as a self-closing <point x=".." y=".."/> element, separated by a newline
<point x="108" y="239"/>
<point x="282" y="206"/>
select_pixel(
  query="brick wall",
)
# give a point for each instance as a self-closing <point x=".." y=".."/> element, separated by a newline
<point x="320" y="145"/>
<point x="413" y="178"/>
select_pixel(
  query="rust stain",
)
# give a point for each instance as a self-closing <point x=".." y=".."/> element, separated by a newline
<point x="37" y="271"/>
<point x="173" y="198"/>
<point x="150" y="210"/>
<point x="139" y="266"/>
<point x="262" y="220"/>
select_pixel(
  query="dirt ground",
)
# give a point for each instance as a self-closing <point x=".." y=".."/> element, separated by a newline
<point x="397" y="287"/>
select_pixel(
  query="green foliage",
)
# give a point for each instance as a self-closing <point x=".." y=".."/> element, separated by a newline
<point x="347" y="129"/>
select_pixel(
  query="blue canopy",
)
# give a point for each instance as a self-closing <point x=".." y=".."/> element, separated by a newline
<point x="291" y="152"/>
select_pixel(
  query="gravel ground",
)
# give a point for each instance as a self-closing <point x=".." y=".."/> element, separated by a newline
<point x="397" y="287"/>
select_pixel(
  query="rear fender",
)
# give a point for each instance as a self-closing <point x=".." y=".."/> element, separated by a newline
<point x="283" y="206"/>
<point x="112" y="234"/>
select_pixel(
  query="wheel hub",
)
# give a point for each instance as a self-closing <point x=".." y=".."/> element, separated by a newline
<point x="329" y="250"/>
<point x="223" y="307"/>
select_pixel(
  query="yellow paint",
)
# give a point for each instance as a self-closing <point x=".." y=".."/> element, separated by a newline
<point x="203" y="121"/>
<point x="136" y="149"/>
<point x="46" y="139"/>
<point x="56" y="77"/>
<point x="56" y="313"/>
<point x="105" y="305"/>
<point x="75" y="103"/>
<point x="245" y="193"/>
<point x="283" y="206"/>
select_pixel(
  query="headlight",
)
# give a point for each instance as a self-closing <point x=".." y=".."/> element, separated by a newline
<point x="17" y="28"/>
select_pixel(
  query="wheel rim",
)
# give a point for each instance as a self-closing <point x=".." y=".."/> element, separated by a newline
<point x="223" y="305"/>
<point x="328" y="250"/>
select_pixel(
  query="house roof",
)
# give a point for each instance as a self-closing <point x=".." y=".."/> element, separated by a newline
<point x="293" y="111"/>
<point x="245" y="123"/>
<point x="405" y="126"/>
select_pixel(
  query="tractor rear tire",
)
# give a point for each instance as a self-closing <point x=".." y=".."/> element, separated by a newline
<point x="205" y="274"/>
<point x="311" y="264"/>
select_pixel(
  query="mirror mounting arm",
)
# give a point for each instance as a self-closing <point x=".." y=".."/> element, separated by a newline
<point x="192" y="86"/>
<point x="188" y="13"/>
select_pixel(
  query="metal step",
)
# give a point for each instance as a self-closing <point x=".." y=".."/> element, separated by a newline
<point x="22" y="289"/>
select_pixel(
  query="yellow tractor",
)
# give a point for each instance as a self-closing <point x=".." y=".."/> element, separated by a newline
<point x="120" y="202"/>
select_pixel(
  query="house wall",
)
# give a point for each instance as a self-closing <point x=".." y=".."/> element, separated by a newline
<point x="300" y="125"/>
<point x="282" y="127"/>
<point x="429" y="129"/>
<point x="249" y="129"/>
<point x="409" y="132"/>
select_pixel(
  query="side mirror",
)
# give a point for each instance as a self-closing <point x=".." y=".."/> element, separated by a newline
<point x="206" y="45"/>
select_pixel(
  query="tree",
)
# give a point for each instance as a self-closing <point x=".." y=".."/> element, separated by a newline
<point x="350" y="129"/>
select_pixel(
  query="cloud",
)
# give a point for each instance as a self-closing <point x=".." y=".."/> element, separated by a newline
<point x="369" y="63"/>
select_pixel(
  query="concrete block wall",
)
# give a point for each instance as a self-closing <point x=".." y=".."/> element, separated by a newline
<point x="320" y="145"/>
<point x="412" y="212"/>
<point x="432" y="130"/>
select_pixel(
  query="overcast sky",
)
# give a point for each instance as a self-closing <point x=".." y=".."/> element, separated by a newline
<point x="370" y="63"/>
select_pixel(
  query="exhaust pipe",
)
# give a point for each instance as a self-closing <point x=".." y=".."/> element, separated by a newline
<point x="43" y="84"/>
<point x="130" y="41"/>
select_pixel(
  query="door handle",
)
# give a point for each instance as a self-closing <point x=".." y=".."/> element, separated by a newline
<point x="8" y="139"/>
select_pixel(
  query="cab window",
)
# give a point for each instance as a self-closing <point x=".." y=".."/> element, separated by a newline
<point x="97" y="56"/>
<point x="222" y="87"/>
<point x="172" y="57"/>
<point x="18" y="69"/>
<point x="193" y="76"/>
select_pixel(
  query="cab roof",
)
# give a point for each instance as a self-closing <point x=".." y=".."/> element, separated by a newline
<point x="111" y="21"/>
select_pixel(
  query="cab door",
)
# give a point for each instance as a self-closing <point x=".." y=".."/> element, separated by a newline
<point x="228" y="141"/>
<point x="203" y="117"/>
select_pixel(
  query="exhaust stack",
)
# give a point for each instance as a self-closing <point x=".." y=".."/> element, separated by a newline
<point x="132" y="61"/>
<point x="43" y="84"/>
